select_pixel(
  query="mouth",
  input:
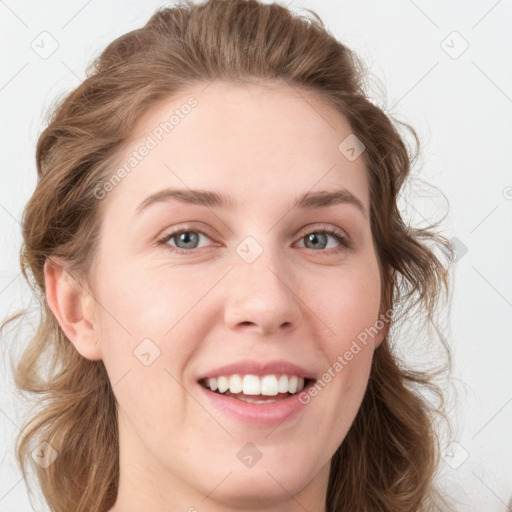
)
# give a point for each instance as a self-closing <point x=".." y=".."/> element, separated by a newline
<point x="255" y="389"/>
<point x="258" y="393"/>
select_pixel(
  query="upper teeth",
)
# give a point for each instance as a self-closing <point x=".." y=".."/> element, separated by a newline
<point x="268" y="385"/>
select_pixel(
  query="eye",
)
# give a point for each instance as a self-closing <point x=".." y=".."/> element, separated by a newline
<point x="318" y="239"/>
<point x="186" y="241"/>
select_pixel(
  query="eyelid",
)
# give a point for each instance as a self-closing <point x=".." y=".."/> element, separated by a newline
<point x="336" y="232"/>
<point x="323" y="227"/>
<point x="177" y="230"/>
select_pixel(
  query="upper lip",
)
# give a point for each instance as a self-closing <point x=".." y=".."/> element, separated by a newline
<point x="259" y="368"/>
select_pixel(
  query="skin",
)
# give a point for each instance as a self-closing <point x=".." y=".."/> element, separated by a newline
<point x="264" y="145"/>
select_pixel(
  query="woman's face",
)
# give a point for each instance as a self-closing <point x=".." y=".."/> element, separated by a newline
<point x="251" y="287"/>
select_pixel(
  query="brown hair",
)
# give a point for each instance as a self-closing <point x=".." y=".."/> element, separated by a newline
<point x="389" y="457"/>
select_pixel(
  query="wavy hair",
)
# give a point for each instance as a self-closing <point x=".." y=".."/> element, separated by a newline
<point x="389" y="458"/>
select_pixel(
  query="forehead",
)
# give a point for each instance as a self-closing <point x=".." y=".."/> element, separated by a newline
<point x="251" y="139"/>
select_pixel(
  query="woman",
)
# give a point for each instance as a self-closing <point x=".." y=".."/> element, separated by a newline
<point x="220" y="255"/>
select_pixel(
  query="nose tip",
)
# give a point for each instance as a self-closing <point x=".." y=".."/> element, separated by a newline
<point x="260" y="299"/>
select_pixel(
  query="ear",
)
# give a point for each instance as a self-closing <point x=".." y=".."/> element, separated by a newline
<point x="73" y="308"/>
<point x="385" y="317"/>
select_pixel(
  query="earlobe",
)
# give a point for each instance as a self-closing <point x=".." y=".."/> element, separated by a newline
<point x="73" y="309"/>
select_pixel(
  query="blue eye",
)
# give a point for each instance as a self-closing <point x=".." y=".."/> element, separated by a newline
<point x="187" y="240"/>
<point x="319" y="238"/>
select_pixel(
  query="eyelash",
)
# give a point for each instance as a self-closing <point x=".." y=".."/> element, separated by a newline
<point x="338" y="235"/>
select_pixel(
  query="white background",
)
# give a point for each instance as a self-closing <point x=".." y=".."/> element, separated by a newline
<point x="459" y="102"/>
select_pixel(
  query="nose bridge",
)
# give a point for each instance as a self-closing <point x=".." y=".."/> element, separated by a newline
<point x="261" y="294"/>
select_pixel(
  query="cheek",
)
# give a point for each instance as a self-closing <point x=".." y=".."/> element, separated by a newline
<point x="351" y="311"/>
<point x="348" y="303"/>
<point x="151" y="302"/>
<point x="150" y="325"/>
<point x="142" y="344"/>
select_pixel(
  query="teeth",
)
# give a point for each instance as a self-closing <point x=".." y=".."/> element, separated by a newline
<point x="223" y="384"/>
<point x="213" y="383"/>
<point x="282" y="386"/>
<point x="292" y="384"/>
<point x="268" y="385"/>
<point x="252" y="385"/>
<point x="235" y="384"/>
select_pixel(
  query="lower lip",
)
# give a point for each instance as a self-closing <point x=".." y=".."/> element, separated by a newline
<point x="263" y="414"/>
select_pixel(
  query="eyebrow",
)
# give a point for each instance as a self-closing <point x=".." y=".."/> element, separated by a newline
<point x="209" y="198"/>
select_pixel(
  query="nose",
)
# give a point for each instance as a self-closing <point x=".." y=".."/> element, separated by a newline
<point x="262" y="297"/>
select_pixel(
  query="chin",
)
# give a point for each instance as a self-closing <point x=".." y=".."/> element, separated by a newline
<point x="252" y="488"/>
<point x="270" y="480"/>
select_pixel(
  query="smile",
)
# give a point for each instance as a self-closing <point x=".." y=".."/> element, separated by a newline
<point x="249" y="387"/>
<point x="256" y="401"/>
